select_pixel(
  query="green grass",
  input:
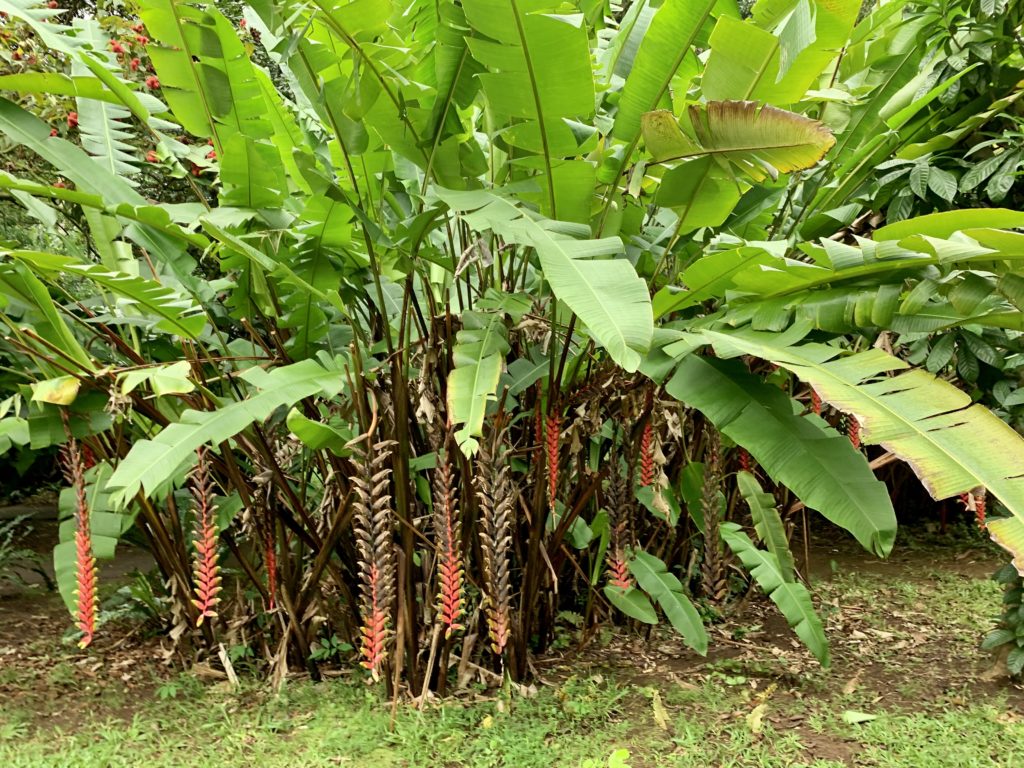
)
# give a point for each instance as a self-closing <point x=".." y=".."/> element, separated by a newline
<point x="579" y="723"/>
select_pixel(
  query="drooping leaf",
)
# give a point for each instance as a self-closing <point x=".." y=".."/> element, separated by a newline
<point x="767" y="522"/>
<point x="801" y="452"/>
<point x="951" y="444"/>
<point x="606" y="294"/>
<point x="479" y="355"/>
<point x="664" y="588"/>
<point x="1008" y="532"/>
<point x="792" y="598"/>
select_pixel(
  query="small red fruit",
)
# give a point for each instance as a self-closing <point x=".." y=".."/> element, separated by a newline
<point x="152" y="82"/>
<point x="196" y="170"/>
<point x="211" y="155"/>
<point x="72" y="119"/>
<point x="138" y="27"/>
<point x="52" y="4"/>
<point x="133" y="64"/>
<point x="116" y="46"/>
<point x="53" y="131"/>
<point x="59" y="184"/>
<point x="151" y="157"/>
<point x="16" y="55"/>
<point x="141" y="39"/>
<point x="242" y="24"/>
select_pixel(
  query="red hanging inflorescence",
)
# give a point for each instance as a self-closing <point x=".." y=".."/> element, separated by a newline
<point x="85" y="562"/>
<point x="647" y="455"/>
<point x="206" y="570"/>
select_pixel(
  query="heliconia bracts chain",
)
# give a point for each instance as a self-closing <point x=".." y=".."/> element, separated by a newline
<point x="206" y="571"/>
<point x="86" y="599"/>
<point x="374" y="529"/>
<point x="618" y="509"/>
<point x="448" y="534"/>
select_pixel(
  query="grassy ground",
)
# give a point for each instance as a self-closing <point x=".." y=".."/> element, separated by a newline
<point x="908" y="688"/>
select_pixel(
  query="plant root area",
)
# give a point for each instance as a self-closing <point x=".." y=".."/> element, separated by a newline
<point x="908" y="687"/>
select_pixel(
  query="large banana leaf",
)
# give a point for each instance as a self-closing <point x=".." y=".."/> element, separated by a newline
<point x="791" y="597"/>
<point x="801" y="452"/>
<point x="778" y="57"/>
<point x="670" y="37"/>
<point x="951" y="444"/>
<point x="151" y="463"/>
<point x="606" y="294"/>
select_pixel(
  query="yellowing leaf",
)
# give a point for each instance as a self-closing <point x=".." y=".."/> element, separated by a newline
<point x="60" y="391"/>
<point x="758" y="139"/>
<point x="1008" y="532"/>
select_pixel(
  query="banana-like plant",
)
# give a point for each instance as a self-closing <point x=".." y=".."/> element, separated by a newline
<point x="551" y="230"/>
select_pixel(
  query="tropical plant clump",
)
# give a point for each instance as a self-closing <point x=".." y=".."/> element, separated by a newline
<point x="456" y="316"/>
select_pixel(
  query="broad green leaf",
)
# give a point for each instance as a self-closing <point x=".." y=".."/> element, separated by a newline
<point x="317" y="435"/>
<point x="700" y="191"/>
<point x="710" y="275"/>
<point x="944" y="224"/>
<point x="665" y="589"/>
<point x="479" y="356"/>
<point x="673" y="31"/>
<point x="606" y="294"/>
<point x="792" y="598"/>
<point x="151" y="463"/>
<point x="801" y="452"/>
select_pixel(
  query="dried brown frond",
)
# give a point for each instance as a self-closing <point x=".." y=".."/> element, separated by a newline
<point x="713" y="572"/>
<point x="494" y="497"/>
